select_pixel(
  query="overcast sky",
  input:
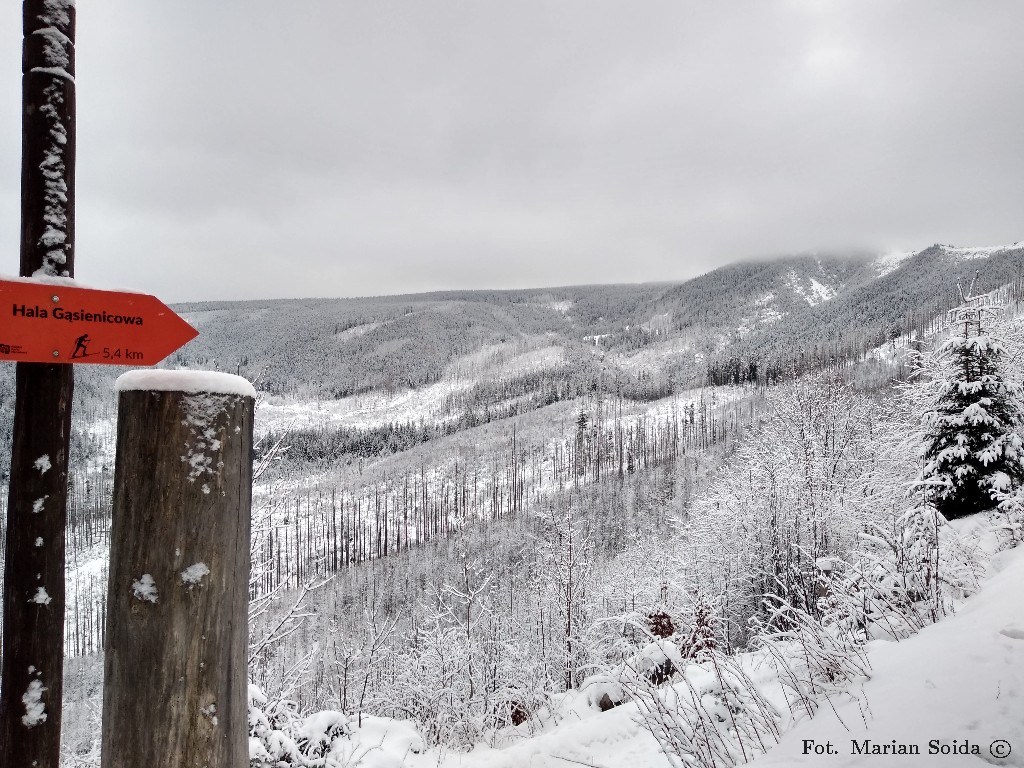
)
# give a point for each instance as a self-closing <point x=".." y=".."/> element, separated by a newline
<point x="235" y="149"/>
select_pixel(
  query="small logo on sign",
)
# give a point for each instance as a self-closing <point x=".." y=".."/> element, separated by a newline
<point x="11" y="349"/>
<point x="81" y="347"/>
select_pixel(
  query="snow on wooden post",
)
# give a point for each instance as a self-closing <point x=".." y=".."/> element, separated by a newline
<point x="177" y="597"/>
<point x="32" y="671"/>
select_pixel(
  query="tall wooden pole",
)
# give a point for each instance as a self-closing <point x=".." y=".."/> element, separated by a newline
<point x="174" y="690"/>
<point x="31" y="677"/>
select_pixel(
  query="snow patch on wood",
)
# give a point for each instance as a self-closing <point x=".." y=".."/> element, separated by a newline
<point x="145" y="588"/>
<point x="203" y="451"/>
<point x="194" y="573"/>
<point x="53" y="168"/>
<point x="55" y="72"/>
<point x="210" y="712"/>
<point x="35" y="710"/>
<point x="57" y="12"/>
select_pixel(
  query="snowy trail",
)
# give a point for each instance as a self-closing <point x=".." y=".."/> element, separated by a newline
<point x="610" y="739"/>
<point x="961" y="679"/>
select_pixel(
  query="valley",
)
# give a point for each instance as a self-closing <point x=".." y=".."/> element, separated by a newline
<point x="473" y="509"/>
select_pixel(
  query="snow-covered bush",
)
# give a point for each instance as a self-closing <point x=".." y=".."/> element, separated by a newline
<point x="281" y="737"/>
<point x="464" y="671"/>
<point x="270" y="727"/>
<point x="799" y="488"/>
<point x="713" y="718"/>
<point x="603" y="691"/>
<point x="814" y="660"/>
<point x="907" y="574"/>
<point x="1008" y="520"/>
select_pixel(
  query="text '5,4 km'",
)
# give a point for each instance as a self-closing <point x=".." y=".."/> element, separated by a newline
<point x="46" y="322"/>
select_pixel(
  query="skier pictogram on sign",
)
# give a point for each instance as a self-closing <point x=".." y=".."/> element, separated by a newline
<point x="81" y="350"/>
<point x="54" y="323"/>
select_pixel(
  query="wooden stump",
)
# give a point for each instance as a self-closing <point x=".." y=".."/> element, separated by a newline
<point x="175" y="687"/>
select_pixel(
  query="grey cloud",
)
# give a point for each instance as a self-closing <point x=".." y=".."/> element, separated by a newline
<point x="241" y="149"/>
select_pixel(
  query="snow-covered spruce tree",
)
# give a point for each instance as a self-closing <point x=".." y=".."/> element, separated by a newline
<point x="971" y="447"/>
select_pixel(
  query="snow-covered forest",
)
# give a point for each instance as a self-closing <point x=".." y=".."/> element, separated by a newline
<point x="588" y="526"/>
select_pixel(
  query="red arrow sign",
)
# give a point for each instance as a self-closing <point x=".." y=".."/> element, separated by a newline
<point x="44" y="323"/>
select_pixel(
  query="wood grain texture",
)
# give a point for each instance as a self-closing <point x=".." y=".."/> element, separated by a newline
<point x="175" y="687"/>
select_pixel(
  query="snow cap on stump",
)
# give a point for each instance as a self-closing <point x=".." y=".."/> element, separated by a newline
<point x="185" y="381"/>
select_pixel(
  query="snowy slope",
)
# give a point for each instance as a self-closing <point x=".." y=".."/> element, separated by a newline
<point x="890" y="262"/>
<point x="954" y="693"/>
<point x="959" y="680"/>
<point x="981" y="252"/>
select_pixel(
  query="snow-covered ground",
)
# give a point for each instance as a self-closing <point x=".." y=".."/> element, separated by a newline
<point x="814" y="292"/>
<point x="890" y="351"/>
<point x="502" y="360"/>
<point x="676" y="405"/>
<point x="951" y="695"/>
<point x="373" y="409"/>
<point x="956" y="684"/>
<point x="981" y="252"/>
<point x="654" y="356"/>
<point x="890" y="262"/>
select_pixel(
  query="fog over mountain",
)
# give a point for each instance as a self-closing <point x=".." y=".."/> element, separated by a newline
<point x="342" y="149"/>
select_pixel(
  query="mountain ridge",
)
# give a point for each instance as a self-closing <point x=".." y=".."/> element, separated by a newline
<point x="757" y="312"/>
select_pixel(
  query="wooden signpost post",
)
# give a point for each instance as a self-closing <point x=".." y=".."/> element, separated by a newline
<point x="175" y="666"/>
<point x="32" y="673"/>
